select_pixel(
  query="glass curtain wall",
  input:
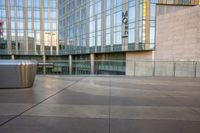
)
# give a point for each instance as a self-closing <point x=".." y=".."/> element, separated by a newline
<point x="30" y="26"/>
<point x="89" y="26"/>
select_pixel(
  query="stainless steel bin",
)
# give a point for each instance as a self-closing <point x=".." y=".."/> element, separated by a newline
<point x="17" y="73"/>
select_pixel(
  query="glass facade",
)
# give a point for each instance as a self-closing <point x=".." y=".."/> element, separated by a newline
<point x="29" y="26"/>
<point x="106" y="25"/>
<point x="78" y="26"/>
<point x="92" y="26"/>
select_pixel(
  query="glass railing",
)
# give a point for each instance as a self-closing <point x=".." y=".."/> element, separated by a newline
<point x="53" y="67"/>
<point x="81" y="67"/>
<point x="110" y="67"/>
<point x="121" y="67"/>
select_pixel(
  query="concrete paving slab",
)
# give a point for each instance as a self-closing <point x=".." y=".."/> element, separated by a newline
<point x="73" y="111"/>
<point x="154" y="126"/>
<point x="86" y="92"/>
<point x="33" y="124"/>
<point x="5" y="118"/>
<point x="153" y="112"/>
<point x="43" y="87"/>
<point x="85" y="104"/>
<point x="78" y="98"/>
<point x="117" y="112"/>
<point x="13" y="108"/>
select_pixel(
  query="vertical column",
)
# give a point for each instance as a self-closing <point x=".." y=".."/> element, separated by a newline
<point x="13" y="57"/>
<point x="112" y="24"/>
<point x="75" y="25"/>
<point x="33" y="27"/>
<point x="125" y="25"/>
<point x="103" y="23"/>
<point x="25" y="27"/>
<point x="50" y="22"/>
<point x="63" y="31"/>
<point x="137" y="17"/>
<point x="42" y="27"/>
<point x="16" y="27"/>
<point x="57" y="40"/>
<point x="144" y="11"/>
<point x="8" y="24"/>
<point x="95" y="20"/>
<point x="147" y="26"/>
<point x="44" y="63"/>
<point x="146" y="23"/>
<point x="92" y="63"/>
<point x="70" y="64"/>
<point x="88" y="24"/>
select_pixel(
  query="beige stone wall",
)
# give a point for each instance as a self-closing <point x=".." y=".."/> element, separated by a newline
<point x="144" y="56"/>
<point x="178" y="35"/>
<point x="177" y="39"/>
<point x="131" y="57"/>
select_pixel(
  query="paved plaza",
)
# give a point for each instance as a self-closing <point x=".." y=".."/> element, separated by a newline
<point x="102" y="104"/>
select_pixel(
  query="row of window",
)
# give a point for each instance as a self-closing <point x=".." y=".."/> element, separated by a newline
<point x="117" y="37"/>
<point x="36" y="3"/>
<point x="72" y="33"/>
<point x="81" y="16"/>
<point x="20" y="14"/>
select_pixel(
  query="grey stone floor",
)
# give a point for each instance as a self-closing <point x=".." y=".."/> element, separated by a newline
<point x="102" y="104"/>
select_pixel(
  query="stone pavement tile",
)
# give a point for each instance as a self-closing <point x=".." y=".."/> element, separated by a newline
<point x="42" y="88"/>
<point x="33" y="124"/>
<point x="127" y="98"/>
<point x="195" y="109"/>
<point x="25" y="96"/>
<point x="126" y="92"/>
<point x="154" y="126"/>
<point x="78" y="98"/>
<point x="13" y="108"/>
<point x="85" y="92"/>
<point x="189" y="100"/>
<point x="154" y="113"/>
<point x="5" y="118"/>
<point x="72" y="111"/>
<point x="117" y="112"/>
<point x="155" y="83"/>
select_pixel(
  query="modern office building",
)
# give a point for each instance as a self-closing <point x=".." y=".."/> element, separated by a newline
<point x="26" y="23"/>
<point x="113" y="29"/>
<point x="98" y="26"/>
<point x="110" y="26"/>
<point x="88" y="34"/>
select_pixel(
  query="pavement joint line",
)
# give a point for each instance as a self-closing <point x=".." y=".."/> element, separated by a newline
<point x="18" y="115"/>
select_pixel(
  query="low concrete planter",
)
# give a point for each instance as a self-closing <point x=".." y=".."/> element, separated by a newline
<point x="17" y="73"/>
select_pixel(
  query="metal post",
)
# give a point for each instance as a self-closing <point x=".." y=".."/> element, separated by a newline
<point x="174" y="69"/>
<point x="154" y="68"/>
<point x="134" y="67"/>
<point x="195" y="69"/>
